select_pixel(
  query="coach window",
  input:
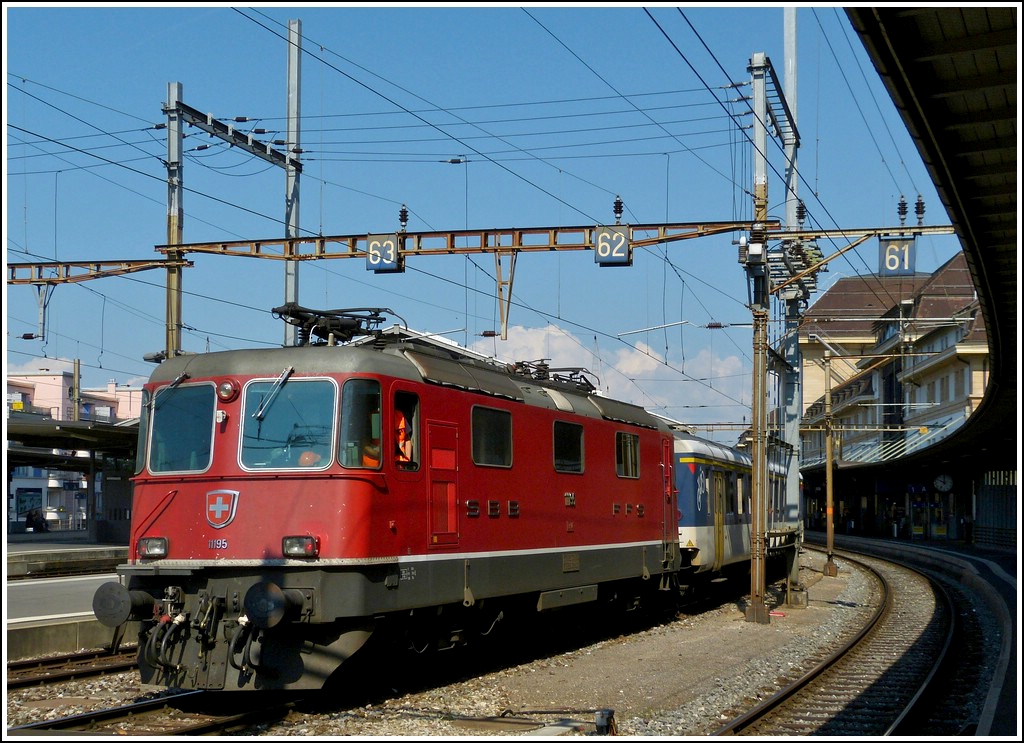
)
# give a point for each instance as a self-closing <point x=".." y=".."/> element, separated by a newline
<point x="288" y="423"/>
<point x="627" y="454"/>
<point x="568" y="447"/>
<point x="360" y="424"/>
<point x="182" y="419"/>
<point x="492" y="437"/>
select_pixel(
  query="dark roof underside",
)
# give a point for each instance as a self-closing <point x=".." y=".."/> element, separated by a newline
<point x="952" y="73"/>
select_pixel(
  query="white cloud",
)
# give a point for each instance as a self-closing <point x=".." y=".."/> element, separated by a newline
<point x="711" y="388"/>
<point x="40" y="366"/>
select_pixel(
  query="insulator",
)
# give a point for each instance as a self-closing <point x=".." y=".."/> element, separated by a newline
<point x="403" y="217"/>
<point x="902" y="209"/>
<point x="801" y="212"/>
<point x="618" y="209"/>
<point x="919" y="209"/>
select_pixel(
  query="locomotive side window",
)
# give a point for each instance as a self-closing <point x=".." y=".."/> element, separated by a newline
<point x="568" y="447"/>
<point x="406" y="425"/>
<point x="182" y="419"/>
<point x="492" y="437"/>
<point x="288" y="424"/>
<point x="140" y="449"/>
<point x="627" y="454"/>
<point x="360" y="424"/>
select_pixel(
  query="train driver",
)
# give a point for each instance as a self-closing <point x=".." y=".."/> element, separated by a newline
<point x="371" y="453"/>
<point x="309" y="459"/>
<point x="403" y="439"/>
<point x="371" y="449"/>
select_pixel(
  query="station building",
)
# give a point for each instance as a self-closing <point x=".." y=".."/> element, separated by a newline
<point x="898" y="364"/>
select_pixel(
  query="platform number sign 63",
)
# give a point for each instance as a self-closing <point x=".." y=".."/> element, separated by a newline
<point x="611" y="246"/>
<point x="382" y="254"/>
<point x="896" y="256"/>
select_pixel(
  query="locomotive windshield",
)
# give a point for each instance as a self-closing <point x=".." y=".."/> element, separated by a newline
<point x="182" y="433"/>
<point x="288" y="425"/>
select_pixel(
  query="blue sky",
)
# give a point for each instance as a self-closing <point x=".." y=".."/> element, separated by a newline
<point x="551" y="111"/>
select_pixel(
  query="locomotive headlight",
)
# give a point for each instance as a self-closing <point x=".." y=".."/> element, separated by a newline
<point x="304" y="547"/>
<point x="227" y="390"/>
<point x="152" y="547"/>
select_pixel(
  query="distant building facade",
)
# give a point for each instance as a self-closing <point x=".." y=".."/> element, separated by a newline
<point x="906" y="359"/>
<point x="59" y="494"/>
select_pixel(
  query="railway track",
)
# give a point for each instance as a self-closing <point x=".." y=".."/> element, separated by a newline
<point x="877" y="680"/>
<point x="953" y="713"/>
<point x="962" y="704"/>
<point x="179" y="714"/>
<point x="68" y="667"/>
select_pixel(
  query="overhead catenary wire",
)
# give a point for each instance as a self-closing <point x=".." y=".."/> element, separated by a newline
<point x="213" y="164"/>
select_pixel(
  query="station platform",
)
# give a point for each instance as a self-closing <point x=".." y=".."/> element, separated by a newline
<point x="59" y="553"/>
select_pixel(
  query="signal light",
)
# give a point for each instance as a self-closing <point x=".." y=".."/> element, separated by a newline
<point x="227" y="390"/>
<point x="303" y="547"/>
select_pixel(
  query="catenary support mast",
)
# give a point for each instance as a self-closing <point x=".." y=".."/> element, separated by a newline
<point x="291" y="208"/>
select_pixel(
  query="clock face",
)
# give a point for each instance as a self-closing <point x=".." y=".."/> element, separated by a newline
<point x="943" y="483"/>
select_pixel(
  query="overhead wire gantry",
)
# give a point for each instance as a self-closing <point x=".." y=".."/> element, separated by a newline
<point x="613" y="245"/>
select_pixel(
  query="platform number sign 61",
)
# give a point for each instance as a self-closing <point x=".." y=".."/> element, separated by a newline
<point x="611" y="246"/>
<point x="896" y="256"/>
<point x="382" y="254"/>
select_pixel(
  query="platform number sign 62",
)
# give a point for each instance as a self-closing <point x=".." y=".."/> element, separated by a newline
<point x="896" y="256"/>
<point x="382" y="254"/>
<point x="611" y="246"/>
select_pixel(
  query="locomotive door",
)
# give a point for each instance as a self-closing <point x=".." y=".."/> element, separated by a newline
<point x="670" y="521"/>
<point x="442" y="473"/>
<point x="670" y="558"/>
<point x="718" y="501"/>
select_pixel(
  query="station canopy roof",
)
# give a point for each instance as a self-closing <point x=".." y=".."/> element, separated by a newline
<point x="50" y="444"/>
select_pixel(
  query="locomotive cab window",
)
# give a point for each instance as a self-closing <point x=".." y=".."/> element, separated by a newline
<point x="182" y="428"/>
<point x="288" y="424"/>
<point x="568" y="447"/>
<point x="492" y="437"/>
<point x="361" y="424"/>
<point x="627" y="454"/>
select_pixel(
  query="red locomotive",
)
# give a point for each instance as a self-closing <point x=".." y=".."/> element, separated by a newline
<point x="290" y="502"/>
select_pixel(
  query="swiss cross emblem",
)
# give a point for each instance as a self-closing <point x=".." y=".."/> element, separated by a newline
<point x="220" y="507"/>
